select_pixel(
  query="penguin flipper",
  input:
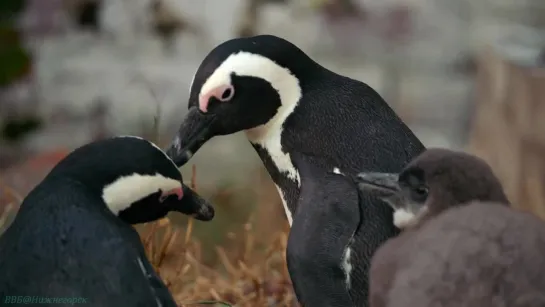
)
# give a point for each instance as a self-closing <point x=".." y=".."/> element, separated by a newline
<point x="326" y="219"/>
<point x="160" y="290"/>
<point x="132" y="261"/>
<point x="163" y="295"/>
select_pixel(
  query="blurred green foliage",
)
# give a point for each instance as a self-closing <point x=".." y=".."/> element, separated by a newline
<point x="15" y="60"/>
<point x="11" y="8"/>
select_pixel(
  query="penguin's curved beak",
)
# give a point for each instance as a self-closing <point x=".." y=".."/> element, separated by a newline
<point x="192" y="204"/>
<point x="194" y="131"/>
<point x="384" y="185"/>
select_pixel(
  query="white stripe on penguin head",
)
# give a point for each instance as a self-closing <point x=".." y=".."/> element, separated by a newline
<point x="268" y="135"/>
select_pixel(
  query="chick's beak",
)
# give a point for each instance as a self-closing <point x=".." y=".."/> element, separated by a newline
<point x="383" y="184"/>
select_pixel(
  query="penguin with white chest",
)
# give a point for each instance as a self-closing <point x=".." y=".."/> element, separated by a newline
<point x="72" y="236"/>
<point x="298" y="114"/>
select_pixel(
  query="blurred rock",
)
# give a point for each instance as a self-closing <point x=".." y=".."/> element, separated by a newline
<point x="25" y="175"/>
<point x="515" y="28"/>
<point x="15" y="128"/>
<point x="44" y="18"/>
<point x="167" y="23"/>
<point x="134" y="77"/>
<point x="541" y="58"/>
<point x="87" y="15"/>
<point x="10" y="155"/>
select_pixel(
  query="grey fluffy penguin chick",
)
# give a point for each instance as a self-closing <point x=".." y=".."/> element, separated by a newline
<point x="72" y="237"/>
<point x="462" y="244"/>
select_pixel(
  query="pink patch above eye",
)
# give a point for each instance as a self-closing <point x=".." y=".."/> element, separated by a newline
<point x="221" y="93"/>
<point x="177" y="191"/>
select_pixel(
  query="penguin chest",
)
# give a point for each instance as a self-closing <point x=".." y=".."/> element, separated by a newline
<point x="284" y="175"/>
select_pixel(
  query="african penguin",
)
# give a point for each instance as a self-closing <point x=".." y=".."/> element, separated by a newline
<point x="295" y="112"/>
<point x="462" y="245"/>
<point x="72" y="235"/>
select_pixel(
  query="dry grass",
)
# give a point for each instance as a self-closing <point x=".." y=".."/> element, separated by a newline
<point x="251" y="272"/>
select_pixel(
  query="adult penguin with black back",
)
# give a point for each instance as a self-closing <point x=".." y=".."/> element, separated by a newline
<point x="72" y="239"/>
<point x="299" y="115"/>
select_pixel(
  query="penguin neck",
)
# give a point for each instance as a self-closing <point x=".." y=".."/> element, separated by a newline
<point x="284" y="175"/>
<point x="54" y="193"/>
<point x="84" y="182"/>
<point x="267" y="139"/>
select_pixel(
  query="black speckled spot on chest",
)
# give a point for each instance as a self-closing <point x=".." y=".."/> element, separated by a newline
<point x="288" y="186"/>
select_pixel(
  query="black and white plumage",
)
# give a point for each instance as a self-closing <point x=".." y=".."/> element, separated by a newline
<point x="290" y="105"/>
<point x="463" y="244"/>
<point x="327" y="195"/>
<point x="72" y="235"/>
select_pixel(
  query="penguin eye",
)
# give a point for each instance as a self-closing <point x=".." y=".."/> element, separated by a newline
<point x="420" y="193"/>
<point x="227" y="94"/>
<point x="421" y="190"/>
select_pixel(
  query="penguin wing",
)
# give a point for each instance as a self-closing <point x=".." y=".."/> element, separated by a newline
<point x="127" y="271"/>
<point x="326" y="219"/>
<point x="159" y="288"/>
<point x="105" y="271"/>
<point x="122" y="274"/>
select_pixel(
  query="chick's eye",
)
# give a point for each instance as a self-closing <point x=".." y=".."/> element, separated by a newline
<point x="421" y="191"/>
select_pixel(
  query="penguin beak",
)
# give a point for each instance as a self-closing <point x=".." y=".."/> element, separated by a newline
<point x="384" y="184"/>
<point x="194" y="131"/>
<point x="194" y="205"/>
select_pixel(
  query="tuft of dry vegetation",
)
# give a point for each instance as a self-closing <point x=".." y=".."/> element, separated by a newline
<point x="246" y="277"/>
<point x="251" y="272"/>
